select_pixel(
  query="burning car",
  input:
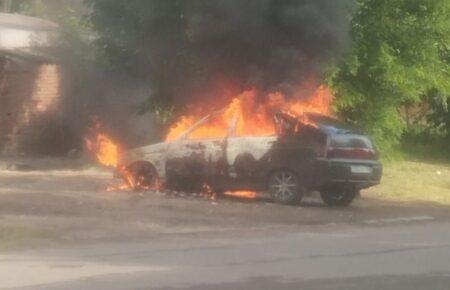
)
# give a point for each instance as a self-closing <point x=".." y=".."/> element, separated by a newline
<point x="306" y="152"/>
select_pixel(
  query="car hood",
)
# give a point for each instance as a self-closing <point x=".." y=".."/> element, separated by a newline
<point x="141" y="152"/>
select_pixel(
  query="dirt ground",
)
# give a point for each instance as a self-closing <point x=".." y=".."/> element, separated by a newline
<point x="46" y="203"/>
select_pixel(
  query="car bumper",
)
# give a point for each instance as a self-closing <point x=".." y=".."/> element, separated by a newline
<point x="361" y="174"/>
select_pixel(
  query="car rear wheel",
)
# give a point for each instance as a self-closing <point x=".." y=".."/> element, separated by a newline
<point x="338" y="196"/>
<point x="285" y="188"/>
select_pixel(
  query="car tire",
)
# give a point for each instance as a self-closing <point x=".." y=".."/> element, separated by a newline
<point x="285" y="187"/>
<point x="143" y="176"/>
<point x="338" y="196"/>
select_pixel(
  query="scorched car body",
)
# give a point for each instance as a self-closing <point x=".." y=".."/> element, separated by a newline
<point x="325" y="156"/>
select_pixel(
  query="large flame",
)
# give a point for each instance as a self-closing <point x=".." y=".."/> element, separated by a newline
<point x="254" y="117"/>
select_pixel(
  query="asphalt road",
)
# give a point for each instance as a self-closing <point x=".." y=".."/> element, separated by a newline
<point x="61" y="230"/>
<point x="407" y="255"/>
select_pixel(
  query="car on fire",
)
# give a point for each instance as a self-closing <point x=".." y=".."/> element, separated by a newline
<point x="308" y="153"/>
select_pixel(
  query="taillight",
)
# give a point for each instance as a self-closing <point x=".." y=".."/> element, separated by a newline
<point x="352" y="153"/>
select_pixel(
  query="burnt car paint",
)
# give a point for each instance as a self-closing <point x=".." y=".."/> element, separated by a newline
<point x="245" y="162"/>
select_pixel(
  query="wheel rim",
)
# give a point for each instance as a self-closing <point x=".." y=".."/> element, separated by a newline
<point x="284" y="185"/>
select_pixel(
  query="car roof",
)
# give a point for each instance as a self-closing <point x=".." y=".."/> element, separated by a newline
<point x="330" y="125"/>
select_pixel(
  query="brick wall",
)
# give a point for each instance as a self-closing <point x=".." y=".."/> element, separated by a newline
<point x="29" y="96"/>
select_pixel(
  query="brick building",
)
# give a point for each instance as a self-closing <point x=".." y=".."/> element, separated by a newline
<point x="30" y="84"/>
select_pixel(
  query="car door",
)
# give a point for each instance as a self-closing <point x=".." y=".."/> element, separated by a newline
<point x="198" y="156"/>
<point x="247" y="158"/>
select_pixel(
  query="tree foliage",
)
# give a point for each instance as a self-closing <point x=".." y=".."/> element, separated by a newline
<point x="400" y="53"/>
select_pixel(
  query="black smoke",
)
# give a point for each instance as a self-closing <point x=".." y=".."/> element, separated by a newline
<point x="201" y="48"/>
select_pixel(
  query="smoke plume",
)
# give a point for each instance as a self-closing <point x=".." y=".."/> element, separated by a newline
<point x="195" y="50"/>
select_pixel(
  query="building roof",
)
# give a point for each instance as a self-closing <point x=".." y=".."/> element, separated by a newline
<point x="27" y="37"/>
<point x="26" y="22"/>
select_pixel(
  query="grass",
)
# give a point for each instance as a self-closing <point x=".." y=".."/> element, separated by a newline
<point x="414" y="181"/>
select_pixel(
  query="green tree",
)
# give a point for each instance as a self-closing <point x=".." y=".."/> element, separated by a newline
<point x="400" y="52"/>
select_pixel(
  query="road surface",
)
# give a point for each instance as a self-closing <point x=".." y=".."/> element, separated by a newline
<point x="405" y="255"/>
<point x="61" y="230"/>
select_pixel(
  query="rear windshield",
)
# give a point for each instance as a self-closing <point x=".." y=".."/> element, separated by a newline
<point x="350" y="141"/>
<point x="328" y="121"/>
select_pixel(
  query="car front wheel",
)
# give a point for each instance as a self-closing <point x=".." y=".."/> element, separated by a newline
<point x="284" y="187"/>
<point x="141" y="176"/>
<point x="338" y="196"/>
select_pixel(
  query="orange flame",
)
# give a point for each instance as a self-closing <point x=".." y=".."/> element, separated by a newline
<point x="242" y="193"/>
<point x="105" y="149"/>
<point x="254" y="117"/>
<point x="107" y="153"/>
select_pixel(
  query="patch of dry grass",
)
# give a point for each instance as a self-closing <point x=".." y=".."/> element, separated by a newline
<point x="414" y="181"/>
